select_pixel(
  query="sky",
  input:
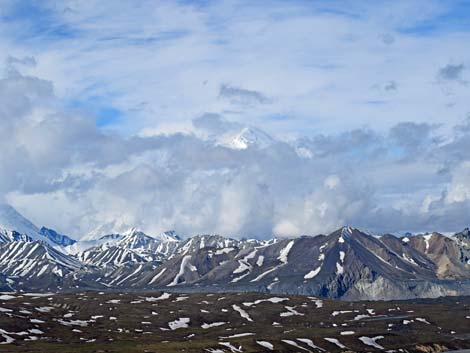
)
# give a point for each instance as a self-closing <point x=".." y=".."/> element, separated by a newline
<point x="242" y="118"/>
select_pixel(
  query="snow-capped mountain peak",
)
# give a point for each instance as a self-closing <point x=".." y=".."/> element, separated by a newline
<point x="113" y="227"/>
<point x="135" y="239"/>
<point x="11" y="235"/>
<point x="246" y="138"/>
<point x="168" y="236"/>
<point x="12" y="221"/>
<point x="131" y="231"/>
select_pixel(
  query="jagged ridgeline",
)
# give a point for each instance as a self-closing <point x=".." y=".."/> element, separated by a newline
<point x="346" y="264"/>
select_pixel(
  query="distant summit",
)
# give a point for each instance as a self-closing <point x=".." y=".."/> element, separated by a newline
<point x="246" y="138"/>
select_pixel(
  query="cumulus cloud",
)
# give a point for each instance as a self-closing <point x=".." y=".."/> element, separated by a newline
<point x="330" y="203"/>
<point x="459" y="189"/>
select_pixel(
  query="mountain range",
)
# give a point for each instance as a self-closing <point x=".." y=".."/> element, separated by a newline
<point x="346" y="264"/>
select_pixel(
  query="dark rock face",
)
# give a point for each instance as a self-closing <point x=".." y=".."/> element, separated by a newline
<point x="59" y="239"/>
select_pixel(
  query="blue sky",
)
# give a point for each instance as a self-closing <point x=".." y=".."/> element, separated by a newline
<point x="370" y="94"/>
<point x="162" y="63"/>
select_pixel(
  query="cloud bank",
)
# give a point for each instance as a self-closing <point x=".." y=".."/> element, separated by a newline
<point x="60" y="169"/>
<point x="240" y="118"/>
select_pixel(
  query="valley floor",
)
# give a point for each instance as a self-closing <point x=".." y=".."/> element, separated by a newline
<point x="232" y="322"/>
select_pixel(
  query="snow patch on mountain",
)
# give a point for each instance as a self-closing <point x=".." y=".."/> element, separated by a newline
<point x="185" y="264"/>
<point x="313" y="273"/>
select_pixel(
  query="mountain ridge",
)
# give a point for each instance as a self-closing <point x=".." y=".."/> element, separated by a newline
<point x="345" y="264"/>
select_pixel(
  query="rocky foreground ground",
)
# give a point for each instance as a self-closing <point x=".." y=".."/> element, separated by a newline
<point x="232" y="322"/>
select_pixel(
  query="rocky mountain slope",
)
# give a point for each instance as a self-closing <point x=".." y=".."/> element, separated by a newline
<point x="56" y="238"/>
<point x="346" y="264"/>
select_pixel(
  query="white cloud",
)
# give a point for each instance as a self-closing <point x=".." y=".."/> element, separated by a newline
<point x="332" y="181"/>
<point x="459" y="189"/>
<point x="285" y="228"/>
